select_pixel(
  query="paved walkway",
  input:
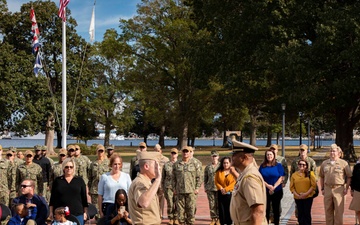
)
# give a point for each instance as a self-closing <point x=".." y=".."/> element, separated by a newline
<point x="287" y="203"/>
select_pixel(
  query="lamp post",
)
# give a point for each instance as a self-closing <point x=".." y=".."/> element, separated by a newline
<point x="283" y="107"/>
<point x="301" y="114"/>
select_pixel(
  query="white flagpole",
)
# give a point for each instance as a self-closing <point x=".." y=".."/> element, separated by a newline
<point x="63" y="129"/>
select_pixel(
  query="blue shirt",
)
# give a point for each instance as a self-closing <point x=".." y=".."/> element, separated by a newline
<point x="271" y="174"/>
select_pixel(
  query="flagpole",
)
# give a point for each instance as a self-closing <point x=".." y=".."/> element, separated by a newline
<point x="63" y="129"/>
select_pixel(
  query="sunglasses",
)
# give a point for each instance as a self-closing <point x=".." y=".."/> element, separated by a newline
<point x="173" y="153"/>
<point x="9" y="155"/>
<point x="29" y="156"/>
<point x="142" y="147"/>
<point x="301" y="164"/>
<point x="110" y="149"/>
<point x="25" y="186"/>
<point x="71" y="150"/>
<point x="62" y="155"/>
<point x="77" y="149"/>
<point x="43" y="150"/>
<point x="185" y="151"/>
<point x="101" y="150"/>
<point x="37" y="150"/>
<point x="69" y="167"/>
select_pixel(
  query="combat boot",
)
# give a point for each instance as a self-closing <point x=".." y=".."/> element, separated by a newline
<point x="171" y="222"/>
<point x="217" y="221"/>
<point x="176" y="222"/>
<point x="212" y="221"/>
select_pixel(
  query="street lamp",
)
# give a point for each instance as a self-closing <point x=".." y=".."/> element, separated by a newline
<point x="301" y="115"/>
<point x="283" y="107"/>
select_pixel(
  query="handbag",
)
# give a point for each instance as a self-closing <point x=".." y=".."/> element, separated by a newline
<point x="316" y="189"/>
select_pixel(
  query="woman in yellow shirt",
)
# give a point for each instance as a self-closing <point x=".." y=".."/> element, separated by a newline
<point x="225" y="182"/>
<point x="302" y="185"/>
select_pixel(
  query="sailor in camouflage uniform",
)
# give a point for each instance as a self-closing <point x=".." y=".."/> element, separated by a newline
<point x="17" y="160"/>
<point x="166" y="183"/>
<point x="163" y="159"/>
<point x="44" y="151"/>
<point x="97" y="168"/>
<point x="82" y="166"/>
<point x="5" y="179"/>
<point x="210" y="187"/>
<point x="10" y="156"/>
<point x="187" y="181"/>
<point x="30" y="170"/>
<point x="57" y="168"/>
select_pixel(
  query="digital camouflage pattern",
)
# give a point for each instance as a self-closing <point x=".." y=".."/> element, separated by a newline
<point x="5" y="179"/>
<point x="96" y="169"/>
<point x="32" y="171"/>
<point x="210" y="188"/>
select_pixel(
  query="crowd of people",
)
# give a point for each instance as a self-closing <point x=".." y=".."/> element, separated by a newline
<point x="238" y="191"/>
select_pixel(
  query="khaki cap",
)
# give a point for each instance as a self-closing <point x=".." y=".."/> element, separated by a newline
<point x="142" y="144"/>
<point x="274" y="146"/>
<point x="62" y="151"/>
<point x="110" y="147"/>
<point x="174" y="150"/>
<point x="303" y="147"/>
<point x="149" y="155"/>
<point x="190" y="149"/>
<point x="238" y="146"/>
<point x="100" y="147"/>
<point x="214" y="153"/>
<point x="71" y="147"/>
<point x="28" y="152"/>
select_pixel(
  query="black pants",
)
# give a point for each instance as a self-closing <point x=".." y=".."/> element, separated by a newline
<point x="274" y="200"/>
<point x="304" y="210"/>
<point x="224" y="208"/>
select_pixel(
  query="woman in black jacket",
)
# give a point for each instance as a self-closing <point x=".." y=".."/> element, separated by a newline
<point x="118" y="213"/>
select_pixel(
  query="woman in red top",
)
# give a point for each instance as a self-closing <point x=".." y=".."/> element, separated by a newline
<point x="225" y="182"/>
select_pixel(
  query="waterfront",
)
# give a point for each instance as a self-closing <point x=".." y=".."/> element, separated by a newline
<point x="24" y="143"/>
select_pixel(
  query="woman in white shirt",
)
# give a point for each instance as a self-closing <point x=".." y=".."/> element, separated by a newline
<point x="110" y="182"/>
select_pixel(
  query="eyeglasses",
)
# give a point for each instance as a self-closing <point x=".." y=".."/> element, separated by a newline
<point x="29" y="156"/>
<point x="301" y="164"/>
<point x="69" y="167"/>
<point x="9" y="155"/>
<point x="62" y="155"/>
<point x="101" y="150"/>
<point x="25" y="186"/>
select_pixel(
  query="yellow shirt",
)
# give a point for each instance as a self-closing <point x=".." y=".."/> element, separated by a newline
<point x="301" y="184"/>
<point x="226" y="182"/>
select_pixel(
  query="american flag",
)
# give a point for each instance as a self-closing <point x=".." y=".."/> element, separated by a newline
<point x="35" y="30"/>
<point x="62" y="13"/>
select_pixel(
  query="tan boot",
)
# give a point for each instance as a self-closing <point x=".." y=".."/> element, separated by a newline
<point x="217" y="221"/>
<point x="212" y="221"/>
<point x="171" y="222"/>
<point x="176" y="222"/>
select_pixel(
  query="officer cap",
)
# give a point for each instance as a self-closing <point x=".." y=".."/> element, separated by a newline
<point x="238" y="146"/>
<point x="149" y="155"/>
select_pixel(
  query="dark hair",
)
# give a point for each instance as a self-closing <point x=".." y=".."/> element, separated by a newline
<point x="272" y="163"/>
<point x="306" y="171"/>
<point x="119" y="192"/>
<point x="221" y="166"/>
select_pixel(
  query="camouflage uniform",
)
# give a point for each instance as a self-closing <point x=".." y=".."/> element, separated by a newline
<point x="82" y="166"/>
<point x="211" y="190"/>
<point x="160" y="193"/>
<point x="310" y="161"/>
<point x="166" y="183"/>
<point x="187" y="179"/>
<point x="283" y="162"/>
<point x="56" y="172"/>
<point x="95" y="171"/>
<point x="5" y="181"/>
<point x="32" y="171"/>
<point x="133" y="162"/>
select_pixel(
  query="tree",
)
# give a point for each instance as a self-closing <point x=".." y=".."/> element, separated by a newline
<point x="165" y="41"/>
<point x="38" y="96"/>
<point x="108" y="97"/>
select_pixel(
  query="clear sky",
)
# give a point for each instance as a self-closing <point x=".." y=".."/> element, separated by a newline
<point x="107" y="13"/>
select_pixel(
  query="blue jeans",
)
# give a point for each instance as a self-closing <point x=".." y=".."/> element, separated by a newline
<point x="80" y="218"/>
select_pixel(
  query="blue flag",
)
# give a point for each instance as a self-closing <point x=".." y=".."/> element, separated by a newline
<point x="38" y="64"/>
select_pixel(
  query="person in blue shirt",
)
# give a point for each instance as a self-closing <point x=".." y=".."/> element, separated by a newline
<point x="22" y="216"/>
<point x="273" y="175"/>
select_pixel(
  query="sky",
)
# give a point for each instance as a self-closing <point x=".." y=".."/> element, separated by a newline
<point x="107" y="14"/>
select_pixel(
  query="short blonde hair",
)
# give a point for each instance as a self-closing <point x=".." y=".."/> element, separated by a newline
<point x="66" y="162"/>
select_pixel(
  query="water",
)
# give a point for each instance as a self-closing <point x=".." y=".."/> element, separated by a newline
<point x="21" y="143"/>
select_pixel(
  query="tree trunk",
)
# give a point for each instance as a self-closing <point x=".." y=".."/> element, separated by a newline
<point x="269" y="134"/>
<point x="183" y="135"/>
<point x="107" y="135"/>
<point x="162" y="136"/>
<point x="49" y="134"/>
<point x="253" y="128"/>
<point x="225" y="140"/>
<point x="59" y="138"/>
<point x="345" y="124"/>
